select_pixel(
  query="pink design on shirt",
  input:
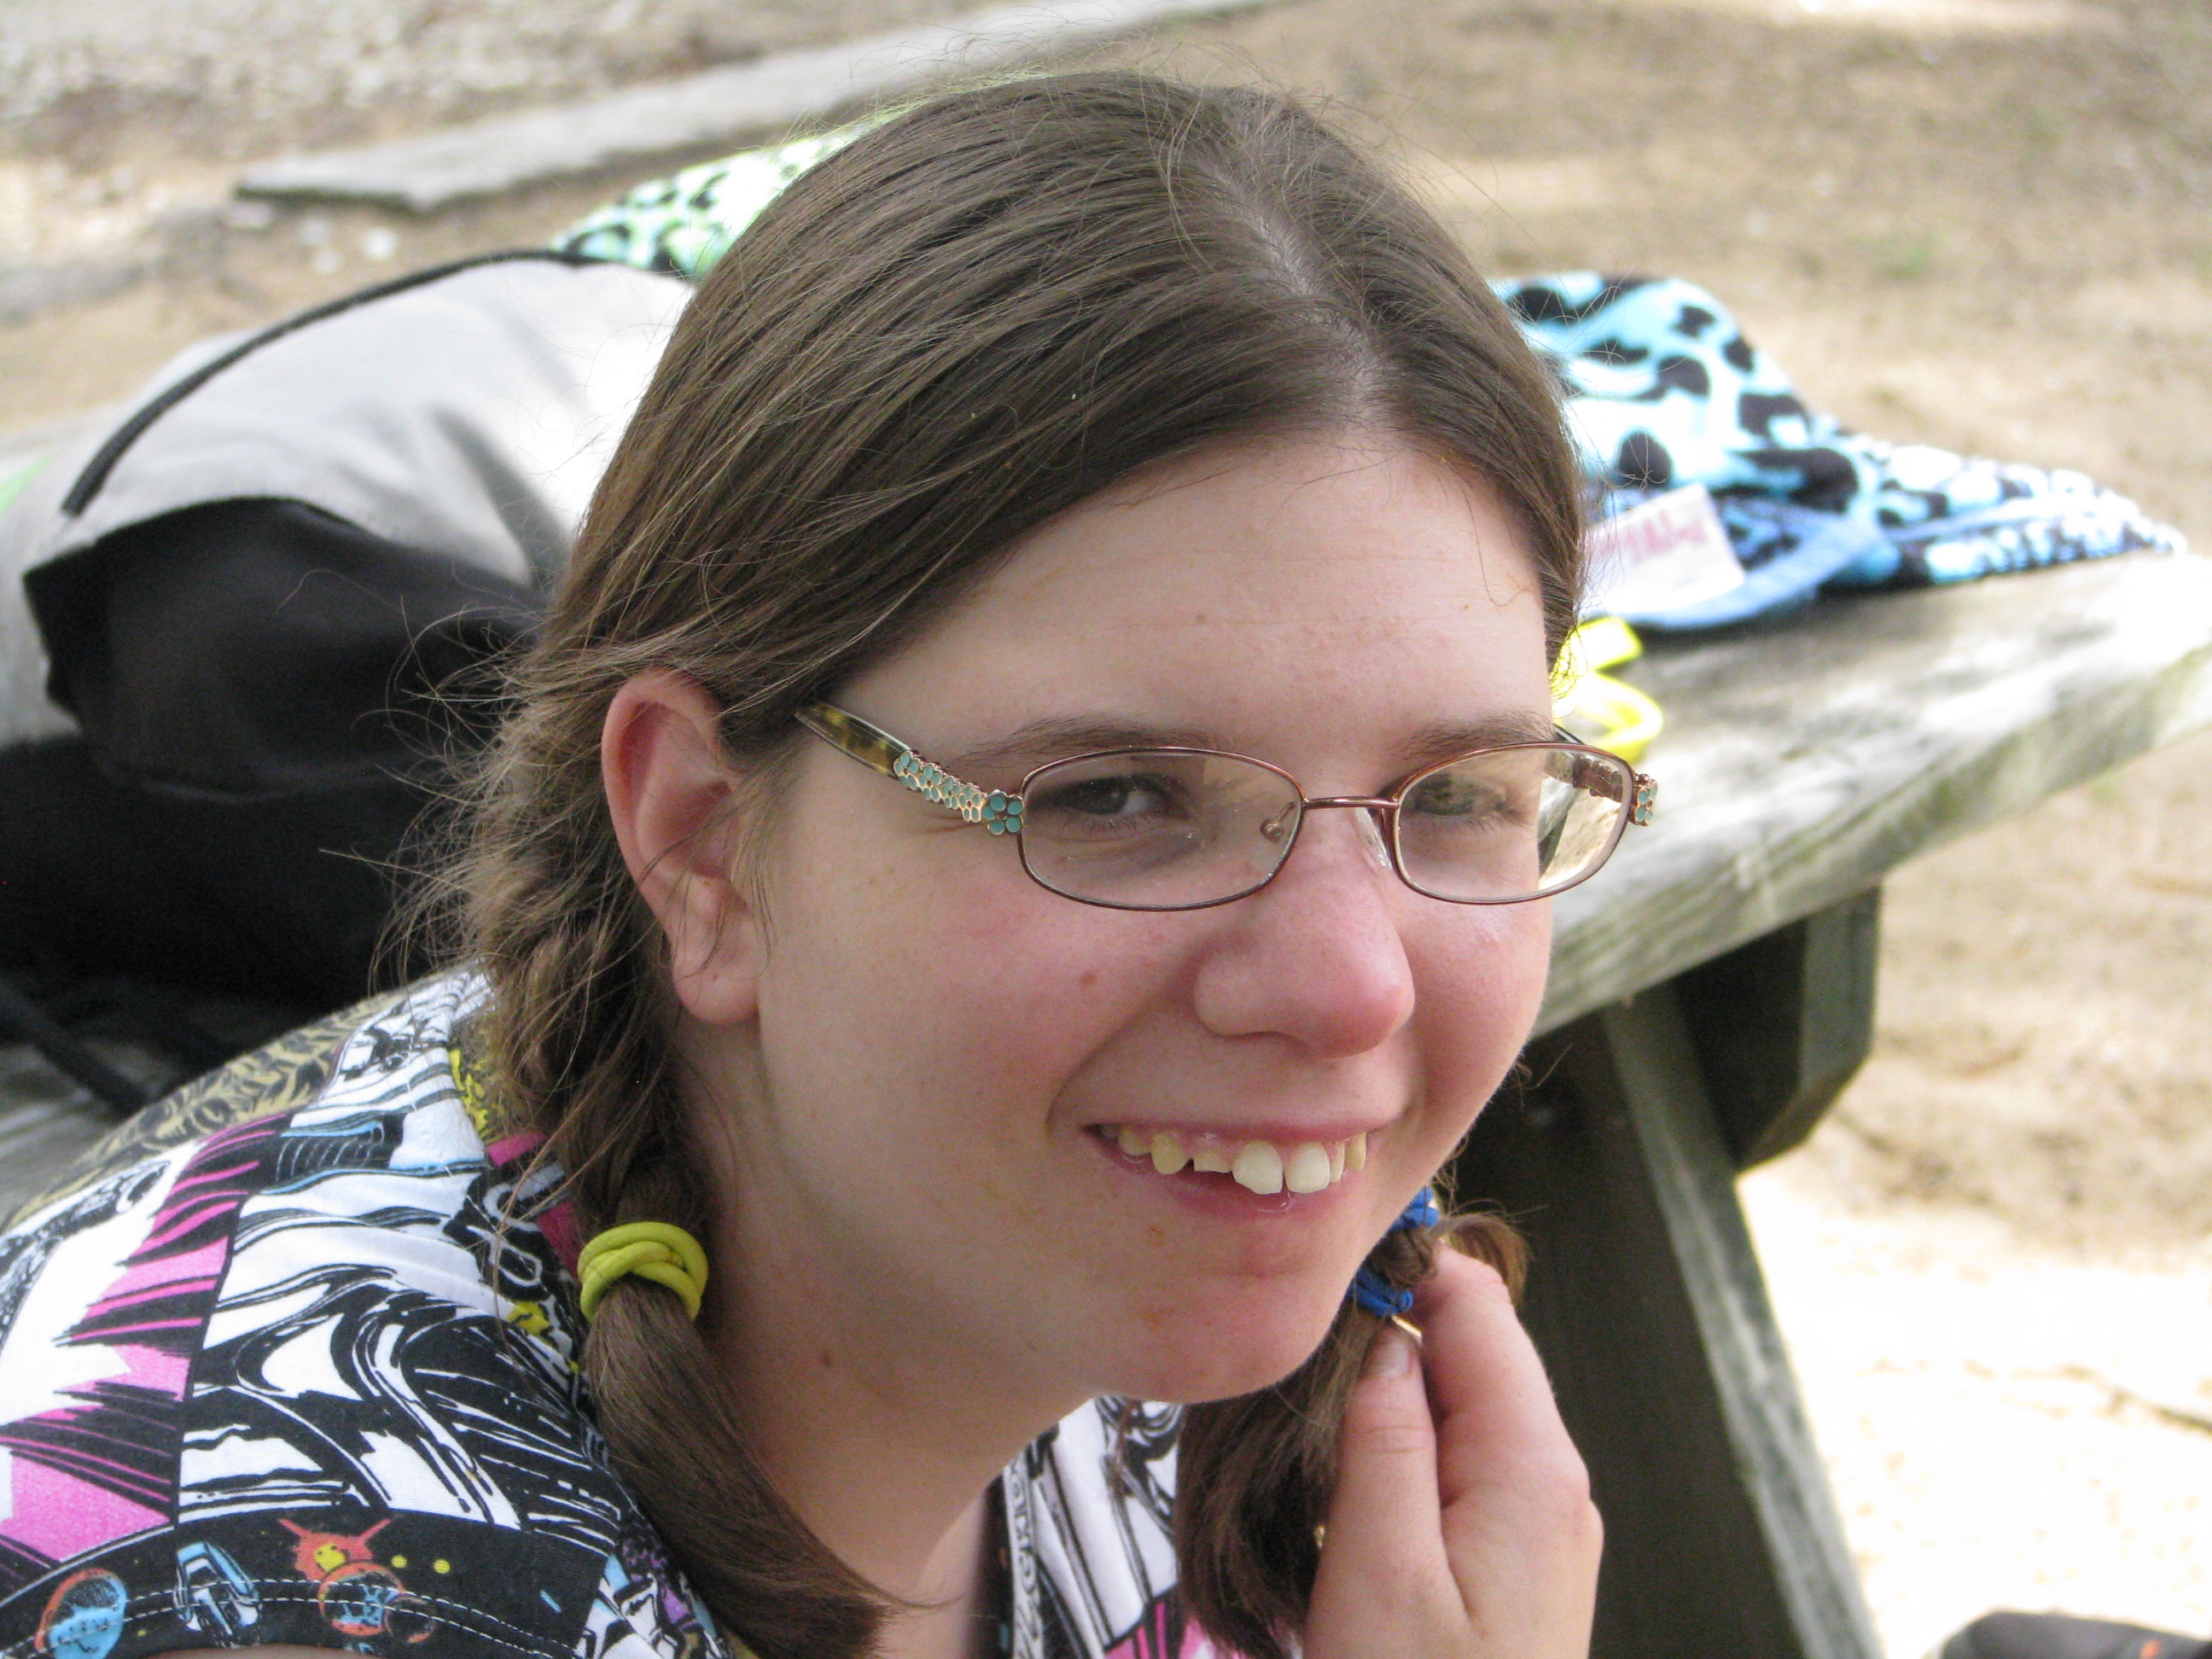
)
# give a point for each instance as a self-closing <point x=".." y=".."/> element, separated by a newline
<point x="86" y="1474"/>
<point x="61" y="1514"/>
<point x="1164" y="1633"/>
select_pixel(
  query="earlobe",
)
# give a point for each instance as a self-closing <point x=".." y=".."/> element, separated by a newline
<point x="674" y="802"/>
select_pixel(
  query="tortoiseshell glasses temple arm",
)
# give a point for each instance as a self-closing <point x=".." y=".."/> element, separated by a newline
<point x="1643" y="789"/>
<point x="994" y="808"/>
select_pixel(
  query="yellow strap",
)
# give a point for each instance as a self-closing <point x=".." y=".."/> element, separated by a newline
<point x="1612" y="715"/>
<point x="1608" y="713"/>
<point x="1600" y="642"/>
<point x="650" y="1249"/>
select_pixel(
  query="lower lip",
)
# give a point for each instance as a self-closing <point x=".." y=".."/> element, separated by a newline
<point x="1217" y="1196"/>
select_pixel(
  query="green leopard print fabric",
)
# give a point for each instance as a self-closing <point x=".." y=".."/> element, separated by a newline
<point x="684" y="223"/>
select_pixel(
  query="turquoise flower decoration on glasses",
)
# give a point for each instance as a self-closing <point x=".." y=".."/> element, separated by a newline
<point x="1171" y="828"/>
<point x="994" y="808"/>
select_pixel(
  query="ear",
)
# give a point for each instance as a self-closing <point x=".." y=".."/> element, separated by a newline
<point x="673" y="799"/>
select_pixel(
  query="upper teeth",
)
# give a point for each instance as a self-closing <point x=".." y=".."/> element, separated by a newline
<point x="1306" y="1169"/>
<point x="1259" y="1166"/>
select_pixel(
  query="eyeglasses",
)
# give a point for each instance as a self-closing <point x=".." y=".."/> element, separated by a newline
<point x="1183" y="829"/>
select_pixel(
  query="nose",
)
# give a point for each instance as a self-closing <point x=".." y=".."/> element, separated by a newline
<point x="1316" y="955"/>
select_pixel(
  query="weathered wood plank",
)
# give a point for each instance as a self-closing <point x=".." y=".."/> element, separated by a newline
<point x="719" y="106"/>
<point x="1647" y="1303"/>
<point x="1781" y="1025"/>
<point x="1806" y="757"/>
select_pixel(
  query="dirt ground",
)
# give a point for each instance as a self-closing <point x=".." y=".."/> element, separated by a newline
<point x="1985" y="224"/>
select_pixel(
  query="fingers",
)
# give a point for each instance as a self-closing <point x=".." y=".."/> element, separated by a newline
<point x="1385" y="1575"/>
<point x="1461" y="1524"/>
<point x="1493" y="1402"/>
<point x="1522" y="1535"/>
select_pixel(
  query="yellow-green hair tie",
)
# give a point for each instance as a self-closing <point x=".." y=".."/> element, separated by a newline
<point x="651" y="1249"/>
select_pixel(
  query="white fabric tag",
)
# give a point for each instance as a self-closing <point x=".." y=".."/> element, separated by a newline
<point x="1667" y="552"/>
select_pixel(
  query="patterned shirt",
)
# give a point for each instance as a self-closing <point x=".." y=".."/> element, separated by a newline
<point x="281" y="1362"/>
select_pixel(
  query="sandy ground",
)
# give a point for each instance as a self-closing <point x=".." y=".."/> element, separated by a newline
<point x="1980" y="223"/>
<point x="238" y="78"/>
<point x="1994" y="1260"/>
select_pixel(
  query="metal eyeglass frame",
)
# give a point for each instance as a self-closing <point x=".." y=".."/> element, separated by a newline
<point x="1001" y="812"/>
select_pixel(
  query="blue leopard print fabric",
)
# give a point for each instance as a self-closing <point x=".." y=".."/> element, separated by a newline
<point x="1662" y="389"/>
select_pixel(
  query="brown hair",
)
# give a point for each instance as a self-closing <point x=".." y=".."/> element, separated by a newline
<point x="969" y="319"/>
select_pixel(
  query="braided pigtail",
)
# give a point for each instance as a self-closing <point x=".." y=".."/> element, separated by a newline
<point x="672" y="1427"/>
<point x="576" y="1045"/>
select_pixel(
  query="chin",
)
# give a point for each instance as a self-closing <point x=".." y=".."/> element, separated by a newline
<point x="1219" y="1353"/>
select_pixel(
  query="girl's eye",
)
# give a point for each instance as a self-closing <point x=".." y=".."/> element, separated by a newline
<point x="1450" y="797"/>
<point x="1121" y="796"/>
<point x="1467" y="798"/>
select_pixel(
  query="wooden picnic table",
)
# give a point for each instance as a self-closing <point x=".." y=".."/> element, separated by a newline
<point x="1713" y="989"/>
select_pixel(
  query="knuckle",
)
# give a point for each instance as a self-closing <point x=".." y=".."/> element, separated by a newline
<point x="1589" y="1531"/>
<point x="1565" y="1511"/>
<point x="1386" y="1437"/>
<point x="1552" y="1498"/>
<point x="1562" y="1488"/>
<point x="1567" y="1479"/>
<point x="1473" y="1276"/>
<point x="1395" y="1578"/>
<point x="1487" y="1280"/>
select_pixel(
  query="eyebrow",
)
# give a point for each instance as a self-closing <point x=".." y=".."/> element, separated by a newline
<point x="1042" y="741"/>
<point x="1060" y="739"/>
<point x="1444" y="738"/>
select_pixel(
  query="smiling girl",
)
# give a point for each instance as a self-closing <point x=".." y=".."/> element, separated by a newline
<point x="1022" y="850"/>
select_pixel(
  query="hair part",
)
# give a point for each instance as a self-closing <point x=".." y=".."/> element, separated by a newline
<point x="973" y="317"/>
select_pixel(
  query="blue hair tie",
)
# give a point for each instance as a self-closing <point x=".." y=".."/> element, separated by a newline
<point x="1374" y="1293"/>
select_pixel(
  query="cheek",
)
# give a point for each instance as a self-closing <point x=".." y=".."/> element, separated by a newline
<point x="1481" y="985"/>
<point x="915" y="1044"/>
<point x="957" y="993"/>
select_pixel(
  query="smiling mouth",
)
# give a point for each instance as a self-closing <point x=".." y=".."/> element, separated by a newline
<point x="1259" y="1166"/>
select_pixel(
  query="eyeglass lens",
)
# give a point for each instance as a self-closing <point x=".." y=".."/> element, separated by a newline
<point x="1162" y="829"/>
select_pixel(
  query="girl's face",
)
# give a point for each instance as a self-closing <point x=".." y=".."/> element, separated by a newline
<point x="925" y="1115"/>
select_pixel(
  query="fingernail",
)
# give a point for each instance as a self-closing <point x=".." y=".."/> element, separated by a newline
<point x="1391" y="1355"/>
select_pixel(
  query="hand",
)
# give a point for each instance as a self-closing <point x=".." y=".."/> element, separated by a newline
<point x="1462" y="1527"/>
